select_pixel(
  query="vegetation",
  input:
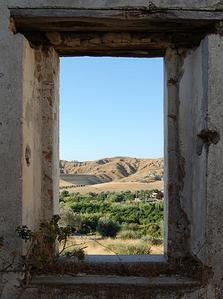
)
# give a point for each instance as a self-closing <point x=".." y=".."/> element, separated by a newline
<point x="107" y="228"/>
<point x="138" y="248"/>
<point x="129" y="234"/>
<point x="40" y="254"/>
<point x="41" y="243"/>
<point x="125" y="215"/>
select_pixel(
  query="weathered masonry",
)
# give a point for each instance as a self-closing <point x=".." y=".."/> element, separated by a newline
<point x="189" y="35"/>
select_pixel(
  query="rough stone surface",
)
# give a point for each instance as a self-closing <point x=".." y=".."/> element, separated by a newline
<point x="194" y="171"/>
<point x="116" y="3"/>
<point x="11" y="73"/>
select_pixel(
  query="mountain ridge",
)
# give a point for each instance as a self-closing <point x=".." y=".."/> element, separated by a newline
<point x="116" y="169"/>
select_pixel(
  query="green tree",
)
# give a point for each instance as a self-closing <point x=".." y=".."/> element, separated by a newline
<point x="108" y="228"/>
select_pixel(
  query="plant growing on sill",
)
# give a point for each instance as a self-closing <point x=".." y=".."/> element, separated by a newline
<point x="41" y="250"/>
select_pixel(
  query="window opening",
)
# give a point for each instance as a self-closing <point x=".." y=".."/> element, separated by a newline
<point x="111" y="154"/>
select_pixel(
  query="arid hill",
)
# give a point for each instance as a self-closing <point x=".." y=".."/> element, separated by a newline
<point x="117" y="169"/>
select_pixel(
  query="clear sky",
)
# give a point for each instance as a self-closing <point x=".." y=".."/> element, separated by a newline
<point x="111" y="107"/>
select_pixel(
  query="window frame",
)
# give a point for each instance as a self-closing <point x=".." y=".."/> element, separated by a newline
<point x="177" y="257"/>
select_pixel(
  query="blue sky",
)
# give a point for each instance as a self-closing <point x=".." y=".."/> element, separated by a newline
<point x="111" y="107"/>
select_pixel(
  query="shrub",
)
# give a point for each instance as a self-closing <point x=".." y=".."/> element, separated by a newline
<point x="129" y="234"/>
<point x="68" y="217"/>
<point x="90" y="222"/>
<point x="131" y="226"/>
<point x="157" y="241"/>
<point x="116" y="197"/>
<point x="77" y="252"/>
<point x="140" y="248"/>
<point x="155" y="230"/>
<point x="63" y="194"/>
<point x="107" y="228"/>
<point x="153" y="241"/>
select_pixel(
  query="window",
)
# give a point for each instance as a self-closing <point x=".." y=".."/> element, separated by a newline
<point x="112" y="133"/>
<point x="184" y="56"/>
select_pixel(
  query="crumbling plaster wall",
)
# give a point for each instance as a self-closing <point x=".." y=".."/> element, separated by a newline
<point x="214" y="225"/>
<point x="199" y="108"/>
<point x="29" y="105"/>
<point x="11" y="110"/>
<point x="40" y="134"/>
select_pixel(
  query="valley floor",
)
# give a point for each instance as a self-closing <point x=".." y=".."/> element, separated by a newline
<point x="113" y="187"/>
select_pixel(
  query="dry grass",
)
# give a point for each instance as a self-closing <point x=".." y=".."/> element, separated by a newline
<point x="117" y="187"/>
<point x="99" y="246"/>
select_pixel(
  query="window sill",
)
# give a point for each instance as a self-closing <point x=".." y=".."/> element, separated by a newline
<point x="150" y="266"/>
<point x="145" y="258"/>
<point x="106" y="280"/>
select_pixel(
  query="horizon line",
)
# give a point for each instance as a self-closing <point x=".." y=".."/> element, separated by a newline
<point x="113" y="157"/>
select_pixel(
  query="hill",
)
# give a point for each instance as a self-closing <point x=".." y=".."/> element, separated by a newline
<point x="118" y="170"/>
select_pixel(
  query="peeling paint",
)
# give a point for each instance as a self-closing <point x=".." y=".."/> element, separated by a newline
<point x="28" y="155"/>
<point x="48" y="156"/>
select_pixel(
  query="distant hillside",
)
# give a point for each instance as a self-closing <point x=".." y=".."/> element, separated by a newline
<point x="117" y="169"/>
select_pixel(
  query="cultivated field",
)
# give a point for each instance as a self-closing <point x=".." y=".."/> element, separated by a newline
<point x="111" y="186"/>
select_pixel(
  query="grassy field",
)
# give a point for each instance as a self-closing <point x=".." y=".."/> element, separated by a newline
<point x="96" y="245"/>
<point x="112" y="186"/>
